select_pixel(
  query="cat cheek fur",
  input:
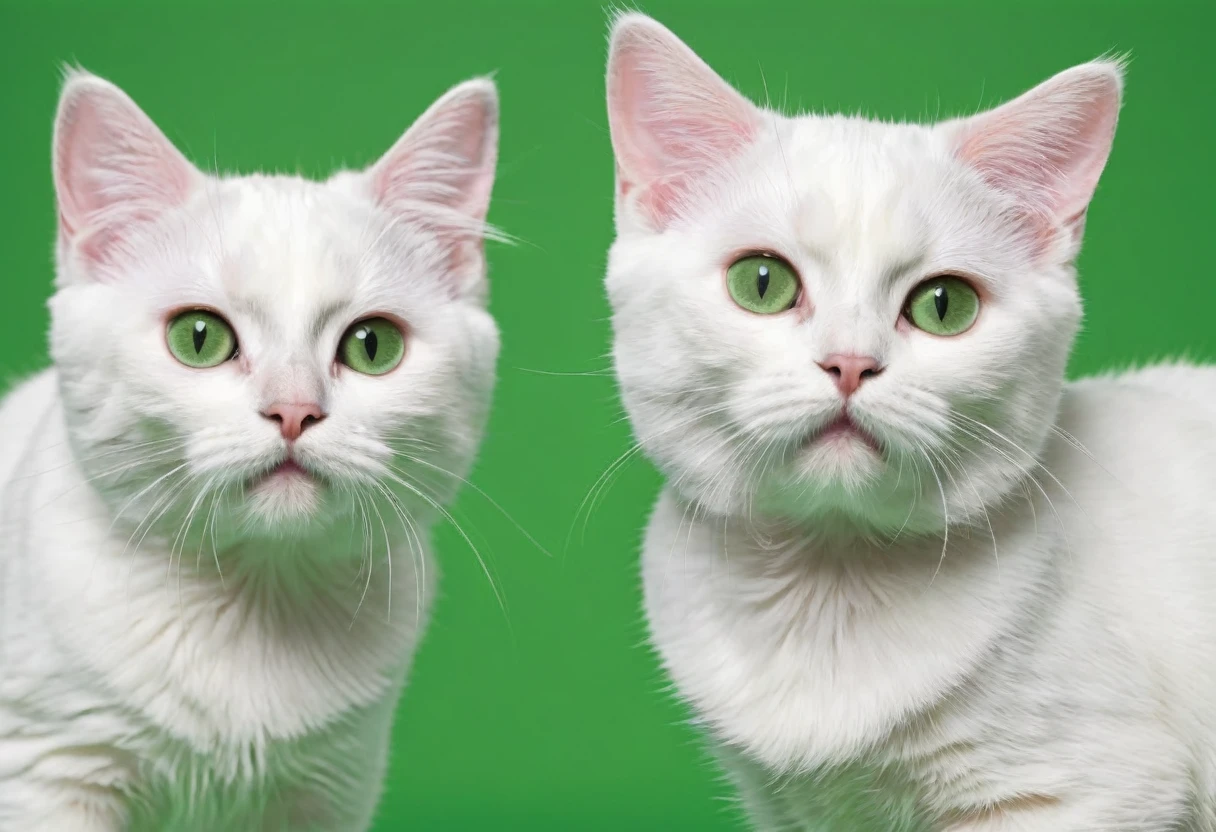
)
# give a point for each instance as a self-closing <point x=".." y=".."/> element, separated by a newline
<point x="931" y="638"/>
<point x="214" y="630"/>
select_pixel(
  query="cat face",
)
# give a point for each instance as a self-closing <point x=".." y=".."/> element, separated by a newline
<point x="839" y="320"/>
<point x="268" y="350"/>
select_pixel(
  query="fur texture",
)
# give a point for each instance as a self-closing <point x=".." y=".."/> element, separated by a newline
<point x="999" y="613"/>
<point x="189" y="637"/>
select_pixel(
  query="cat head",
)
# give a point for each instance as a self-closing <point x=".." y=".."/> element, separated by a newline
<point x="267" y="349"/>
<point x="839" y="320"/>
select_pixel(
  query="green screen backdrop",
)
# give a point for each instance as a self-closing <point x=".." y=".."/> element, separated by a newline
<point x="552" y="714"/>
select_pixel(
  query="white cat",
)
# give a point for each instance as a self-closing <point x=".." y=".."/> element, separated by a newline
<point x="906" y="576"/>
<point x="214" y="557"/>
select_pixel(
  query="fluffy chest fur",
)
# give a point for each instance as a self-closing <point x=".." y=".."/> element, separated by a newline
<point x="851" y="645"/>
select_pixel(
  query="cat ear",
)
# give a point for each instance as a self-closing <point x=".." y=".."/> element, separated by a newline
<point x="1048" y="147"/>
<point x="113" y="168"/>
<point x="670" y="115"/>
<point x="441" y="172"/>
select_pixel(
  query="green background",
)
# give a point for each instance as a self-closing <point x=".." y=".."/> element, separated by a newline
<point x="552" y="715"/>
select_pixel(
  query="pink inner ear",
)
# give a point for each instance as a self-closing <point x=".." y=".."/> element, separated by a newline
<point x="113" y="168"/>
<point x="1048" y="148"/>
<point x="672" y="117"/>
<point x="440" y="175"/>
<point x="446" y="160"/>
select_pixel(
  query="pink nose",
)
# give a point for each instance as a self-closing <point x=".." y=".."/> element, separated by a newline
<point x="849" y="371"/>
<point x="294" y="418"/>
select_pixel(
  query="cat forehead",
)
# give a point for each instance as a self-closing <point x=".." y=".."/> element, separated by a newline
<point x="851" y="157"/>
<point x="281" y="216"/>
<point x="859" y="189"/>
<point x="270" y="242"/>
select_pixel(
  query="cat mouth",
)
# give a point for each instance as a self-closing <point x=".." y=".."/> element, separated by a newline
<point x="289" y="468"/>
<point x="287" y="471"/>
<point x="842" y="429"/>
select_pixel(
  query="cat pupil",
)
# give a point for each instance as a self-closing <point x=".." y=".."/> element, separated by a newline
<point x="200" y="336"/>
<point x="370" y="343"/>
<point x="942" y="301"/>
<point x="762" y="281"/>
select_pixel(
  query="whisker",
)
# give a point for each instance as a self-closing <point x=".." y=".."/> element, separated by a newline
<point x="608" y="373"/>
<point x="369" y="557"/>
<point x="158" y="510"/>
<point x="1034" y="460"/>
<point x="145" y="490"/>
<point x="388" y="559"/>
<point x="1028" y="477"/>
<point x="447" y="516"/>
<point x="130" y="466"/>
<point x="945" y="514"/>
<point x="83" y="460"/>
<point x="1076" y="444"/>
<point x="417" y="553"/>
<point x="488" y="498"/>
<point x="181" y="537"/>
<point x="980" y="502"/>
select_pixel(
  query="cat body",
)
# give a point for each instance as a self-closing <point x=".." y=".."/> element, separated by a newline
<point x="213" y="578"/>
<point x="906" y="577"/>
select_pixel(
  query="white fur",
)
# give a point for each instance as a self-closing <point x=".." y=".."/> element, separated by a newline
<point x="1006" y="620"/>
<point x="180" y="649"/>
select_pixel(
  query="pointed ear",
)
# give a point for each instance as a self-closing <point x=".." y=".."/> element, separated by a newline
<point x="113" y="168"/>
<point x="441" y="171"/>
<point x="1047" y="148"/>
<point x="671" y="117"/>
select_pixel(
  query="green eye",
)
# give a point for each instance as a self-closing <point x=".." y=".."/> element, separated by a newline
<point x="373" y="346"/>
<point x="943" y="306"/>
<point x="200" y="339"/>
<point x="762" y="284"/>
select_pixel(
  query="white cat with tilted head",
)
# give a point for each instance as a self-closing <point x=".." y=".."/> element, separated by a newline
<point x="215" y="516"/>
<point x="907" y="577"/>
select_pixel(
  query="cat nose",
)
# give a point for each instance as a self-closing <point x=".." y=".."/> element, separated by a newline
<point x="294" y="418"/>
<point x="849" y="371"/>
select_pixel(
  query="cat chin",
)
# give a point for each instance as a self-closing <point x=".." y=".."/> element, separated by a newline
<point x="844" y="488"/>
<point x="840" y="461"/>
<point x="285" y="502"/>
<point x="833" y="470"/>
